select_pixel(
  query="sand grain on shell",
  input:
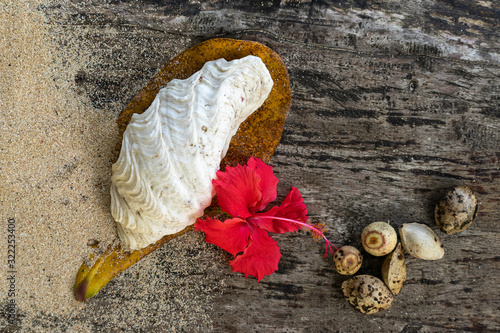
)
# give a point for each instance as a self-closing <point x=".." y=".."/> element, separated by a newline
<point x="56" y="153"/>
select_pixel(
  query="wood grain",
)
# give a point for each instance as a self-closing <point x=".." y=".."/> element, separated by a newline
<point x="393" y="103"/>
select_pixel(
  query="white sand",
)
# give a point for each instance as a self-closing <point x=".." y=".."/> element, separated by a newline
<point x="56" y="153"/>
<point x="55" y="161"/>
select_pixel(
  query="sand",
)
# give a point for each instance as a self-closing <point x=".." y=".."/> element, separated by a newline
<point x="56" y="152"/>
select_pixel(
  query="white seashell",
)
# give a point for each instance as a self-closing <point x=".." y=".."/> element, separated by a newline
<point x="420" y="241"/>
<point x="162" y="180"/>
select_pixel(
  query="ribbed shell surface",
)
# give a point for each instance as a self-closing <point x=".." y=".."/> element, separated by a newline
<point x="162" y="180"/>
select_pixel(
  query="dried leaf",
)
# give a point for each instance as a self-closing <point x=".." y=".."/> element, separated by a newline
<point x="258" y="136"/>
<point x="114" y="261"/>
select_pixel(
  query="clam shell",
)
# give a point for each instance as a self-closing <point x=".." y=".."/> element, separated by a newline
<point x="162" y="180"/>
<point x="456" y="210"/>
<point x="420" y="241"/>
<point x="394" y="270"/>
<point x="367" y="294"/>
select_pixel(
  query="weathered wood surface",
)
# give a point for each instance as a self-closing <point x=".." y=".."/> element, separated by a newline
<point x="393" y="102"/>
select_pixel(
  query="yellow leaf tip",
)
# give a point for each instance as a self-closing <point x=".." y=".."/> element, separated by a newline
<point x="81" y="291"/>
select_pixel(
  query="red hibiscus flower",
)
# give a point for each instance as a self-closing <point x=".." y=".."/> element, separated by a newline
<point x="243" y="192"/>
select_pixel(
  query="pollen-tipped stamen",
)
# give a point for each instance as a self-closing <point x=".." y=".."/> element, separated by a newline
<point x="314" y="229"/>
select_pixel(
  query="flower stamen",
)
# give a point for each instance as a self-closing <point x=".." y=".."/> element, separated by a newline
<point x="314" y="229"/>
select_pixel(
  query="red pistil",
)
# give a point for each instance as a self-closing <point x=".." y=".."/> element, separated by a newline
<point x="311" y="227"/>
<point x="243" y="192"/>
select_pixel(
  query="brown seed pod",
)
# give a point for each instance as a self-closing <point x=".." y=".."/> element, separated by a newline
<point x="347" y="260"/>
<point x="394" y="270"/>
<point x="379" y="238"/>
<point x="456" y="210"/>
<point x="367" y="294"/>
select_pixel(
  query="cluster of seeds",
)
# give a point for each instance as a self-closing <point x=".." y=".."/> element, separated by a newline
<point x="368" y="294"/>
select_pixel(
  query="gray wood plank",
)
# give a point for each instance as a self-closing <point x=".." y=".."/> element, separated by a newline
<point x="392" y="104"/>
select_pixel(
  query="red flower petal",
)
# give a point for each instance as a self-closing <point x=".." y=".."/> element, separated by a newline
<point x="232" y="235"/>
<point x="292" y="207"/>
<point x="261" y="257"/>
<point x="237" y="190"/>
<point x="267" y="185"/>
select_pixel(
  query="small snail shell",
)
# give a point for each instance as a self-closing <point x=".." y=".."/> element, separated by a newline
<point x="420" y="241"/>
<point x="456" y="210"/>
<point x="394" y="270"/>
<point x="347" y="260"/>
<point x="367" y="294"/>
<point x="379" y="238"/>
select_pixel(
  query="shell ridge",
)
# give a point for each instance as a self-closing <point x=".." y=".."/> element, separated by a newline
<point x="162" y="180"/>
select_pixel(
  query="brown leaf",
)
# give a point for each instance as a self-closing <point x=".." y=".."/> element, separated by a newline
<point x="258" y="136"/>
